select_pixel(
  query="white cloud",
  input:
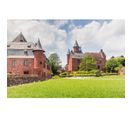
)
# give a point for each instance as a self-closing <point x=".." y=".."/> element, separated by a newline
<point x="60" y="23"/>
<point x="109" y="36"/>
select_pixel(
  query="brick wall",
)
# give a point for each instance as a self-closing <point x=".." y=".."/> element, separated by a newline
<point x="19" y="68"/>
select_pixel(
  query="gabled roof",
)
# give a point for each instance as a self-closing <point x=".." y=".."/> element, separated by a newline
<point x="95" y="55"/>
<point x="20" y="38"/>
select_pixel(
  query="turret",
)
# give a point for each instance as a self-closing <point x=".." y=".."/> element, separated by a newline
<point x="77" y="48"/>
<point x="39" y="55"/>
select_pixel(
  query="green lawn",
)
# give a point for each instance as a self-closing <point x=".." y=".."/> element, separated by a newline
<point x="93" y="87"/>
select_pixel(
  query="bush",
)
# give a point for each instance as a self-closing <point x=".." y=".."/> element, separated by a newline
<point x="98" y="73"/>
<point x="56" y="77"/>
<point x="81" y="73"/>
<point x="84" y="73"/>
<point x="64" y="74"/>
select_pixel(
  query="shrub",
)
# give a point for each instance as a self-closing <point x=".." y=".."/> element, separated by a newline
<point x="84" y="73"/>
<point x="98" y="73"/>
<point x="65" y="74"/>
<point x="56" y="77"/>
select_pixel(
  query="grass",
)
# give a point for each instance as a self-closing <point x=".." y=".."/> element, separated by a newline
<point x="94" y="87"/>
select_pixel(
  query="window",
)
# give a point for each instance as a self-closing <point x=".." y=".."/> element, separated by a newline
<point x="98" y="66"/>
<point x="14" y="63"/>
<point x="26" y="72"/>
<point x="40" y="62"/>
<point x="21" y="40"/>
<point x="25" y="52"/>
<point x="26" y="62"/>
<point x="29" y="46"/>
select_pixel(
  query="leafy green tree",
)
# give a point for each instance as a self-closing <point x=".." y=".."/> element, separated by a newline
<point x="121" y="60"/>
<point x="115" y="64"/>
<point x="87" y="63"/>
<point x="54" y="61"/>
<point x="112" y="64"/>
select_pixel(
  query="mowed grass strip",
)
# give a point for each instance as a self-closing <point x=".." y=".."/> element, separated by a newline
<point x="111" y="87"/>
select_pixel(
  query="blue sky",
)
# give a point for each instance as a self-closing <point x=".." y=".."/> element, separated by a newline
<point x="59" y="35"/>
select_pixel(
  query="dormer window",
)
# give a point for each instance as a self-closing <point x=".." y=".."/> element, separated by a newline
<point x="29" y="46"/>
<point x="21" y="40"/>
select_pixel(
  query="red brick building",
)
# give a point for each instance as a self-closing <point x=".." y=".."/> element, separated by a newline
<point x="74" y="58"/>
<point x="27" y="58"/>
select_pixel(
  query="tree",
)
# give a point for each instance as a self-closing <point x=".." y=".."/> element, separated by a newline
<point x="87" y="63"/>
<point x="115" y="64"/>
<point x="54" y="61"/>
<point x="121" y="60"/>
<point x="112" y="65"/>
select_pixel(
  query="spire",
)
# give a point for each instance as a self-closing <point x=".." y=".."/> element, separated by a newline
<point x="76" y="44"/>
<point x="103" y="54"/>
<point x="20" y="38"/>
<point x="68" y="52"/>
<point x="38" y="45"/>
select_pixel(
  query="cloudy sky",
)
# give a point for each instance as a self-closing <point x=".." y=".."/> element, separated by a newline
<point x="59" y="35"/>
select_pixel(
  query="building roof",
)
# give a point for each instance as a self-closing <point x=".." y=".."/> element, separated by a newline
<point x="95" y="55"/>
<point x="20" y="38"/>
<point x="20" y="47"/>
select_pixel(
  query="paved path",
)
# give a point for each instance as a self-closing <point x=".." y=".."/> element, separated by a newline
<point x="96" y="78"/>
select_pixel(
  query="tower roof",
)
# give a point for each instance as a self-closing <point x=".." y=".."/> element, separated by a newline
<point x="76" y="44"/>
<point x="68" y="52"/>
<point x="20" y="38"/>
<point x="38" y="45"/>
<point x="102" y="53"/>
